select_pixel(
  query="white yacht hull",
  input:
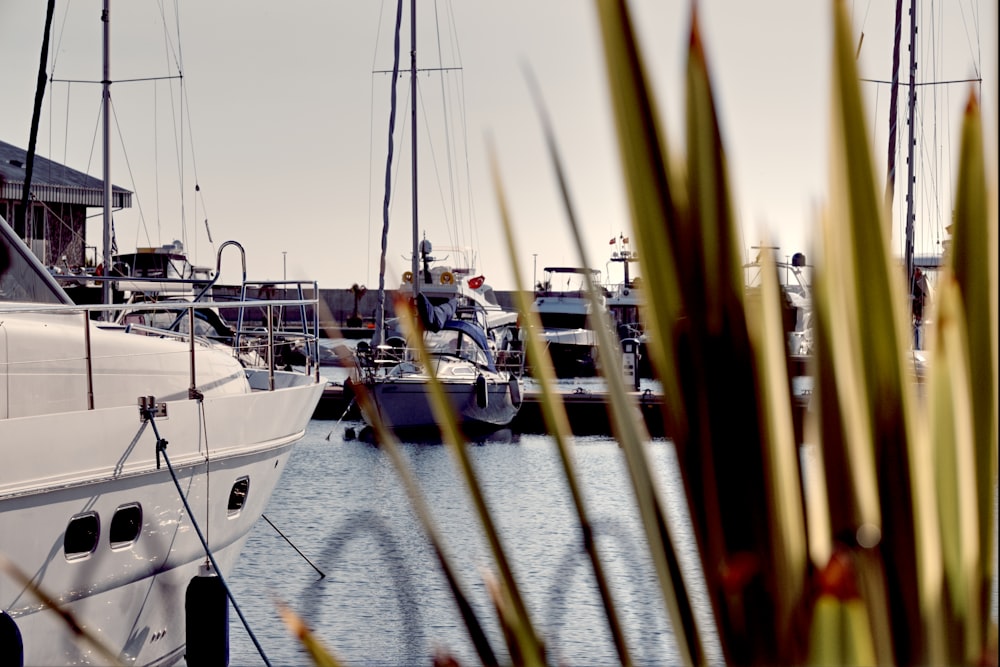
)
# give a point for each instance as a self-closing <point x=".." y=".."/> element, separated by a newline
<point x="80" y="470"/>
<point x="132" y="598"/>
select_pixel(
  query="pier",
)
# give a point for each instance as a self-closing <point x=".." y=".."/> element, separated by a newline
<point x="587" y="410"/>
<point x="586" y="407"/>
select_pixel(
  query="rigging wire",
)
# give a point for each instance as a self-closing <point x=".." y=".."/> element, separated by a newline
<point x="161" y="450"/>
<point x="183" y="140"/>
<point x="445" y="113"/>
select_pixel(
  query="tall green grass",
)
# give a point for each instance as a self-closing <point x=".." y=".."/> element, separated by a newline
<point x="880" y="550"/>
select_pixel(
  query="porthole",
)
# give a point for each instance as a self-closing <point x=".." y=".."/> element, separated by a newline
<point x="81" y="537"/>
<point x="238" y="496"/>
<point x="11" y="644"/>
<point x="125" y="526"/>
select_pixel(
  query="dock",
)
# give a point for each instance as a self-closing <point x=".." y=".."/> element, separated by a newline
<point x="587" y="409"/>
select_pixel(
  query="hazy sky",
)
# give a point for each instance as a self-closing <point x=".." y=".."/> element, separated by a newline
<point x="286" y="126"/>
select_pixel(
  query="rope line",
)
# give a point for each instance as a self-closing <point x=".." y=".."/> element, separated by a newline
<point x="161" y="449"/>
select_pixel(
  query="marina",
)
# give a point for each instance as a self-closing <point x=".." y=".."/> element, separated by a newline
<point x="202" y="464"/>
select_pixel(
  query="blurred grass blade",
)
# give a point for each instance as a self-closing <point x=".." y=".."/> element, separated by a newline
<point x="80" y="633"/>
<point x="785" y="504"/>
<point x="650" y="198"/>
<point x="973" y="263"/>
<point x="389" y="444"/>
<point x="529" y="645"/>
<point x="954" y="470"/>
<point x="630" y="432"/>
<point x="841" y="631"/>
<point x="554" y="414"/>
<point x="863" y="289"/>
<point x="727" y="449"/>
<point x="321" y="656"/>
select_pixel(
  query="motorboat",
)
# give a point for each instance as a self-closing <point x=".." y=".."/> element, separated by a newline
<point x="136" y="461"/>
<point x="564" y="310"/>
<point x="624" y="303"/>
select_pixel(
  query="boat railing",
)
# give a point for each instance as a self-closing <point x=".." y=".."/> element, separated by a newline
<point x="265" y="348"/>
<point x="371" y="362"/>
<point x="511" y="360"/>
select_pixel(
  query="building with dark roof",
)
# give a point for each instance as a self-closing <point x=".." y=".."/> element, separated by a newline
<point x="55" y="225"/>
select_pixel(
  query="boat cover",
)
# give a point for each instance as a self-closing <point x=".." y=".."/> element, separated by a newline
<point x="433" y="317"/>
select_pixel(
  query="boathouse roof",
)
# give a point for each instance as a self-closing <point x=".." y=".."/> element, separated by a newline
<point x="53" y="182"/>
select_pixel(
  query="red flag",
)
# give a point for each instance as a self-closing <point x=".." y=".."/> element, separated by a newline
<point x="611" y="242"/>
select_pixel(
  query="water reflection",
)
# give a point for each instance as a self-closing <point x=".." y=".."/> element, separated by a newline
<point x="384" y="600"/>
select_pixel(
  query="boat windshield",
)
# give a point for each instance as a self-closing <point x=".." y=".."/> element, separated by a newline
<point x="456" y="343"/>
<point x="569" y="280"/>
<point x="23" y="279"/>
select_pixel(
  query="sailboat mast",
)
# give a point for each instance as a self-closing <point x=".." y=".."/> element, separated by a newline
<point x="106" y="112"/>
<point x="911" y="120"/>
<point x="890" y="181"/>
<point x="415" y="263"/>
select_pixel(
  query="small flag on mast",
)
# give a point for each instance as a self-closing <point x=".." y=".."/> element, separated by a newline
<point x="114" y="239"/>
<point x="611" y="242"/>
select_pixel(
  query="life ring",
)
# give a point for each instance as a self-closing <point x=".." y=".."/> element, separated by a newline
<point x="447" y="278"/>
<point x="408" y="276"/>
<point x="477" y="282"/>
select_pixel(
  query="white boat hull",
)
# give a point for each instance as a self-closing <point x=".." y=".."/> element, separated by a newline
<point x="74" y="443"/>
<point x="100" y="460"/>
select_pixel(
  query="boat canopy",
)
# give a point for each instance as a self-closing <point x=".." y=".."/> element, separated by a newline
<point x="476" y="334"/>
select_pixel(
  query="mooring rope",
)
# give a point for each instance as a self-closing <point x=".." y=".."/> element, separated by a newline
<point x="322" y="575"/>
<point x="149" y="412"/>
<point x="348" y="409"/>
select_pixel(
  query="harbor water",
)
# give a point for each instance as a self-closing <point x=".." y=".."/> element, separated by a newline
<point x="383" y="599"/>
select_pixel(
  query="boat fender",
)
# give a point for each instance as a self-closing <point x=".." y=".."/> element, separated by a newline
<point x="482" y="393"/>
<point x="515" y="392"/>
<point x="206" y="616"/>
<point x="11" y="644"/>
<point x="408" y="277"/>
<point x="447" y="278"/>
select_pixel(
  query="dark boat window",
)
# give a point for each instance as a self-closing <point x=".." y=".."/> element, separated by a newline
<point x="22" y="276"/>
<point x="125" y="526"/>
<point x="238" y="496"/>
<point x="82" y="534"/>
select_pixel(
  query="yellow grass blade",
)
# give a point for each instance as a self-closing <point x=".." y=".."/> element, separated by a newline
<point x="321" y="655"/>
<point x="556" y="421"/>
<point x="973" y="263"/>
<point x="651" y="196"/>
<point x="951" y="432"/>
<point x="389" y="444"/>
<point x="865" y="330"/>
<point x="530" y="647"/>
<point x="81" y="634"/>
<point x="785" y="504"/>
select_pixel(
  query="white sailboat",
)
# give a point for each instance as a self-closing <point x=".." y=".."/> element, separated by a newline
<point x="460" y="322"/>
<point x="135" y="463"/>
